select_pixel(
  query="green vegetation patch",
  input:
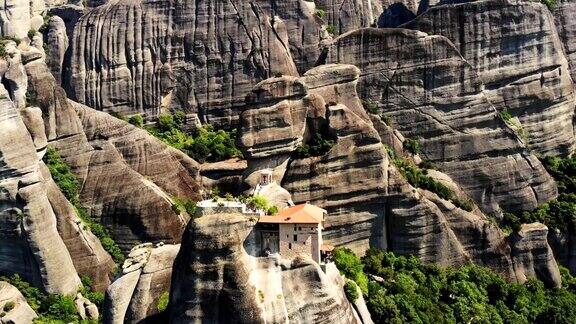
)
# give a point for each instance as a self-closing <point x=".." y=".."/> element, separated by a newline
<point x="556" y="214"/>
<point x="412" y="292"/>
<point x="412" y="145"/>
<point x="204" y="144"/>
<point x="163" y="302"/>
<point x="419" y="178"/>
<point x="53" y="308"/>
<point x="68" y="184"/>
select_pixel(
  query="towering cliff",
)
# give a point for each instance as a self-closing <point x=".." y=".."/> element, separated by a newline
<point x="520" y="58"/>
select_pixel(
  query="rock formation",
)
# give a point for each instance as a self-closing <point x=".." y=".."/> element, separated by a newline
<point x="216" y="281"/>
<point x="533" y="256"/>
<point x="19" y="311"/>
<point x="134" y="297"/>
<point x="566" y="31"/>
<point x="177" y="58"/>
<point x="369" y="202"/>
<point x="523" y="68"/>
<point x="432" y="94"/>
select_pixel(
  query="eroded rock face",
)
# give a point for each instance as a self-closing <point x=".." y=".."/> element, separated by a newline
<point x="128" y="177"/>
<point x="517" y="53"/>
<point x="134" y="297"/>
<point x="432" y="94"/>
<point x="369" y="202"/>
<point x="21" y="312"/>
<point x="18" y="17"/>
<point x="533" y="256"/>
<point x="177" y="58"/>
<point x="566" y="26"/>
<point x="216" y="281"/>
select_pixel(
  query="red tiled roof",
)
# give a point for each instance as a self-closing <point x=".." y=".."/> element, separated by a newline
<point x="299" y="214"/>
<point x="327" y="247"/>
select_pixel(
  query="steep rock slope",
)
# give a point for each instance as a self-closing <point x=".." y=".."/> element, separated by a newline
<point x="369" y="202"/>
<point x="563" y="16"/>
<point x="216" y="281"/>
<point x="128" y="178"/>
<point x="432" y="94"/>
<point x="135" y="296"/>
<point x="202" y="57"/>
<point x="517" y="53"/>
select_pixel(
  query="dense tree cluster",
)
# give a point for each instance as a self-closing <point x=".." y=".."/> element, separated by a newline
<point x="559" y="213"/>
<point x="53" y="308"/>
<point x="66" y="181"/>
<point x="407" y="291"/>
<point x="204" y="144"/>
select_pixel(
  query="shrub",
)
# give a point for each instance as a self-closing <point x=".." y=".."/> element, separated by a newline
<point x="386" y="119"/>
<point x="9" y="306"/>
<point x="179" y="118"/>
<point x="118" y="115"/>
<point x="319" y="145"/>
<point x="136" y="120"/>
<point x="412" y="145"/>
<point x="351" y="291"/>
<point x="31" y="34"/>
<point x="331" y="29"/>
<point x="506" y="115"/>
<point x="204" y="144"/>
<point x="551" y="4"/>
<point x="257" y="202"/>
<point x="273" y="210"/>
<point x="320" y="12"/>
<point x="371" y="106"/>
<point x="31" y="98"/>
<point x="163" y="301"/>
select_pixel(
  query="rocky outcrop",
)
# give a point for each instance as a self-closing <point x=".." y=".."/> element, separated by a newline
<point x="128" y="178"/>
<point x="30" y="243"/>
<point x="532" y="255"/>
<point x="178" y="60"/>
<point x="216" y="281"/>
<point x="369" y="202"/>
<point x="135" y="296"/>
<point x="430" y="93"/>
<point x="57" y="41"/>
<point x="518" y="55"/>
<point x="566" y="27"/>
<point x="13" y="306"/>
<point x="18" y="17"/>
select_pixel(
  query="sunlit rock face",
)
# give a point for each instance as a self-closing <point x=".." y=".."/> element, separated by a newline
<point x="518" y="55"/>
<point x="431" y="93"/>
<point x="203" y="57"/>
<point x="216" y="281"/>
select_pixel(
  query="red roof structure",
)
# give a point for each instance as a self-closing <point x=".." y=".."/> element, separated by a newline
<point x="299" y="214"/>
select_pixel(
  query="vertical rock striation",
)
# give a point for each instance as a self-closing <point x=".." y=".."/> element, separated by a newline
<point x="432" y="94"/>
<point x="518" y="55"/>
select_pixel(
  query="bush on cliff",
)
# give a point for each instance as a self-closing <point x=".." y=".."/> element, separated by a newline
<point x="412" y="292"/>
<point x="204" y="144"/>
<point x="66" y="181"/>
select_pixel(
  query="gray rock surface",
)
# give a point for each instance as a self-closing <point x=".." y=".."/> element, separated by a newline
<point x="369" y="202"/>
<point x="432" y="94"/>
<point x="133" y="298"/>
<point x="216" y="281"/>
<point x="21" y="312"/>
<point x="18" y="17"/>
<point x="533" y="256"/>
<point x="177" y="59"/>
<point x="57" y="41"/>
<point x="566" y="26"/>
<point x="519" y="56"/>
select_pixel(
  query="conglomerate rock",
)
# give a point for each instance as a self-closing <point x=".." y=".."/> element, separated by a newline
<point x="216" y="281"/>
<point x="518" y="55"/>
<point x="430" y="93"/>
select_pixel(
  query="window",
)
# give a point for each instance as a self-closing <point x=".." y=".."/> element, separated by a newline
<point x="295" y="237"/>
<point x="290" y="246"/>
<point x="299" y="228"/>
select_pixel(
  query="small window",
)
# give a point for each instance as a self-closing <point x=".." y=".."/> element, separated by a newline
<point x="299" y="228"/>
<point x="290" y="246"/>
<point x="295" y="237"/>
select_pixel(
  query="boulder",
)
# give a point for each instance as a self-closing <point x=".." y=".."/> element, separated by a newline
<point x="20" y="311"/>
